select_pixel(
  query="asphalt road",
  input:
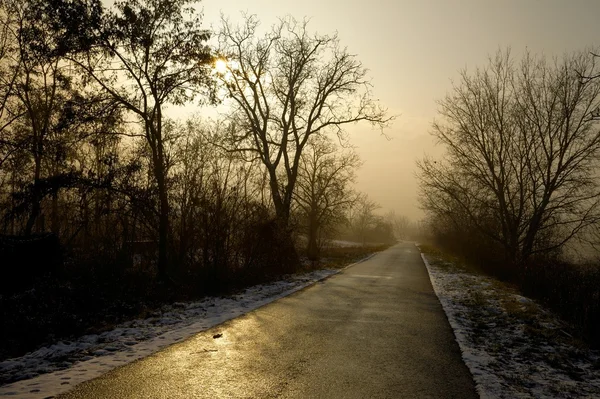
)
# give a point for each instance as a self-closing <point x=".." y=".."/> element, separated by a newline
<point x="376" y="330"/>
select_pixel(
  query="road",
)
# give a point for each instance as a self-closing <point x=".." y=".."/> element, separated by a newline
<point x="376" y="330"/>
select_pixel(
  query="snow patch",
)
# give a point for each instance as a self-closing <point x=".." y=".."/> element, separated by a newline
<point x="511" y="354"/>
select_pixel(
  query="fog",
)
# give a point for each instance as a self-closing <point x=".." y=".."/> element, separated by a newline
<point x="291" y="261"/>
<point x="414" y="49"/>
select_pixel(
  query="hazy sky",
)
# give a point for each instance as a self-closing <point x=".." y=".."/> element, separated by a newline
<point x="413" y="49"/>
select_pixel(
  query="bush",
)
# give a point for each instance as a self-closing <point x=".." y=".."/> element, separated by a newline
<point x="26" y="259"/>
<point x="573" y="291"/>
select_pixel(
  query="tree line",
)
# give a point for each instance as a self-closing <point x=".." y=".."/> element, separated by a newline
<point x="518" y="184"/>
<point x="88" y="152"/>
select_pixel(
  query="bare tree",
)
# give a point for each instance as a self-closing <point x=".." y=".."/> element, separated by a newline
<point x="146" y="54"/>
<point x="402" y="225"/>
<point x="286" y="87"/>
<point x="324" y="191"/>
<point x="522" y="143"/>
<point x="362" y="217"/>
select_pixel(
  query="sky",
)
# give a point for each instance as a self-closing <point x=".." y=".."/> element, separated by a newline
<point x="414" y="49"/>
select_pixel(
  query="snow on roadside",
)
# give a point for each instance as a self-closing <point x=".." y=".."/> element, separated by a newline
<point x="55" y="369"/>
<point x="512" y="345"/>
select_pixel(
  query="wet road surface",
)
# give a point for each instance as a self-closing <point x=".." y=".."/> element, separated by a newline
<point x="376" y="330"/>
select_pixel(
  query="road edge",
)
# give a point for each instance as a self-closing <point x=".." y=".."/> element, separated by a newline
<point x="459" y="337"/>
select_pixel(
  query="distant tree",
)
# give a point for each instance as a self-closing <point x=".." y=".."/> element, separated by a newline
<point x="324" y="191"/>
<point x="286" y="87"/>
<point x="382" y="231"/>
<point x="401" y="225"/>
<point x="522" y="146"/>
<point x="146" y="54"/>
<point x="362" y="217"/>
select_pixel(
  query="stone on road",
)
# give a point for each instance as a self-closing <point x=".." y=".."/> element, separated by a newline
<point x="376" y="330"/>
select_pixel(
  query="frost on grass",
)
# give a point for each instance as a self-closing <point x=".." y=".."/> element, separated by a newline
<point x="512" y="345"/>
<point x="55" y="369"/>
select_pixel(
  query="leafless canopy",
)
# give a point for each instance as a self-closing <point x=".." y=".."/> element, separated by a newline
<point x="522" y="146"/>
<point x="324" y="188"/>
<point x="287" y="86"/>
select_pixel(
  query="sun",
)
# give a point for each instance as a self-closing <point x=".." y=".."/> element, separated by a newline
<point x="221" y="66"/>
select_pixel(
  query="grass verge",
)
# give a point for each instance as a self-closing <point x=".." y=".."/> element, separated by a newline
<point x="514" y="346"/>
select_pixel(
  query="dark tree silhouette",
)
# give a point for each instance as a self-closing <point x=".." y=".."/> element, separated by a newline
<point x="146" y="54"/>
<point x="522" y="143"/>
<point x="286" y="87"/>
<point x="324" y="191"/>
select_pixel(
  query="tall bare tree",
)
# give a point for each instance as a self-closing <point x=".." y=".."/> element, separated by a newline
<point x="522" y="144"/>
<point x="285" y="87"/>
<point x="147" y="54"/>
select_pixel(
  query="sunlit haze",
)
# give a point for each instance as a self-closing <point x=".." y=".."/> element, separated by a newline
<point x="299" y="199"/>
<point x="414" y="50"/>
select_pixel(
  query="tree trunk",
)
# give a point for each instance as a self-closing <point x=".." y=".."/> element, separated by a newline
<point x="54" y="222"/>
<point x="284" y="246"/>
<point x="532" y="232"/>
<point x="163" y="224"/>
<point x="35" y="198"/>
<point x="282" y="213"/>
<point x="155" y="139"/>
<point x="290" y="261"/>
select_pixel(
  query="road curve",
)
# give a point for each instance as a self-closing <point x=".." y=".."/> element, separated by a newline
<point x="376" y="330"/>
